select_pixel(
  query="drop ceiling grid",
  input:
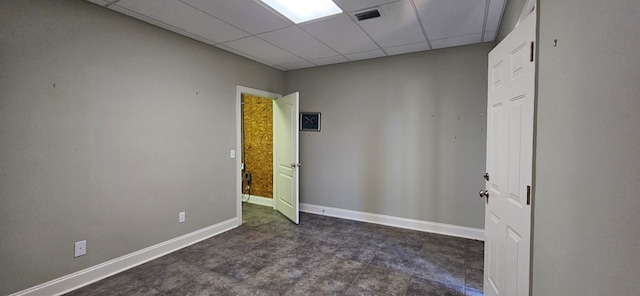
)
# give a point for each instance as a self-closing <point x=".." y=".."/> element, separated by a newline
<point x="398" y="26"/>
<point x="296" y="65"/>
<point x="350" y="38"/>
<point x="263" y="50"/>
<point x="298" y="42"/>
<point x="184" y="17"/>
<point x="248" y="56"/>
<point x="252" y="30"/>
<point x="446" y="19"/>
<point x="247" y="15"/>
<point x="160" y="24"/>
<point x="456" y="41"/>
<point x="357" y="5"/>
<point x="371" y="54"/>
<point x="330" y="60"/>
<point x="407" y="48"/>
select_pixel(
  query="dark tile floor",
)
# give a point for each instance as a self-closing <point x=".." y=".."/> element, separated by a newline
<point x="268" y="255"/>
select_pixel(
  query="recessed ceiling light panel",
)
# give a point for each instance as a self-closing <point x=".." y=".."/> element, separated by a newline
<point x="299" y="11"/>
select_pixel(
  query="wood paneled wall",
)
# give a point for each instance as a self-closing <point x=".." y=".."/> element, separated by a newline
<point x="258" y="145"/>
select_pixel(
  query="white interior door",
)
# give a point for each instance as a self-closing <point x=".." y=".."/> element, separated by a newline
<point x="286" y="155"/>
<point x="510" y="109"/>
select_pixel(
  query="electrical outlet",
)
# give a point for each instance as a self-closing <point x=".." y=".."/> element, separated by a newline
<point x="182" y="217"/>
<point x="80" y="248"/>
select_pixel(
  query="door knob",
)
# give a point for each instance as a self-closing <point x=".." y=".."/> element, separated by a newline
<point x="486" y="176"/>
<point x="484" y="193"/>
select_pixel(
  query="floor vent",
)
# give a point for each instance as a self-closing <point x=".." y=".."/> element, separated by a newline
<point x="365" y="15"/>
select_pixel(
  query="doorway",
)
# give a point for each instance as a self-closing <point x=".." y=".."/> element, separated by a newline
<point x="257" y="149"/>
<point x="285" y="159"/>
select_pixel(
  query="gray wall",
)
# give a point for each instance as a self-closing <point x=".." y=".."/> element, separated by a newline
<point x="510" y="18"/>
<point x="137" y="128"/>
<point x="401" y="136"/>
<point x="587" y="201"/>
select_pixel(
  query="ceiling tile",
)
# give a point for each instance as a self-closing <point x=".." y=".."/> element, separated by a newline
<point x="402" y="49"/>
<point x="298" y="65"/>
<point x="355" y="5"/>
<point x="231" y="50"/>
<point x="450" y="18"/>
<point x="248" y="15"/>
<point x="298" y="42"/>
<point x="253" y="30"/>
<point x="494" y="15"/>
<point x="456" y="41"/>
<point x="184" y="17"/>
<point x="365" y="55"/>
<point x="341" y="34"/>
<point x="397" y="26"/>
<point x="262" y="50"/>
<point x="329" y="60"/>
<point x="160" y="24"/>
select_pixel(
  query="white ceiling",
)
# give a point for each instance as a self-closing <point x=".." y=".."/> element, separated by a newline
<point x="253" y="30"/>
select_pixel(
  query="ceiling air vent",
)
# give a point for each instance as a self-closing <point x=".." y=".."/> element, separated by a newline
<point x="368" y="14"/>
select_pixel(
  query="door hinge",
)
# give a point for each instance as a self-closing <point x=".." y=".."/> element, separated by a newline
<point x="528" y="195"/>
<point x="532" y="47"/>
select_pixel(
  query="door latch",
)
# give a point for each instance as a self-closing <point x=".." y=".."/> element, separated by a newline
<point x="485" y="193"/>
<point x="486" y="176"/>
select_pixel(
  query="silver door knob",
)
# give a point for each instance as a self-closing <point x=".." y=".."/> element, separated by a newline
<point x="486" y="176"/>
<point x="484" y="193"/>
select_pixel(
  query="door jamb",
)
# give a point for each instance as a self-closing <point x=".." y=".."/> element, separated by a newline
<point x="238" y="171"/>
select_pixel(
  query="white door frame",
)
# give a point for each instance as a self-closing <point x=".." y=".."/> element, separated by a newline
<point x="238" y="172"/>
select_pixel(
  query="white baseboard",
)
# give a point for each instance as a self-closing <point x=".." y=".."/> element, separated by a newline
<point x="95" y="273"/>
<point x="440" y="228"/>
<point x="259" y="200"/>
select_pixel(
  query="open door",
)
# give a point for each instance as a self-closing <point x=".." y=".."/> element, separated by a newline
<point x="510" y="118"/>
<point x="286" y="161"/>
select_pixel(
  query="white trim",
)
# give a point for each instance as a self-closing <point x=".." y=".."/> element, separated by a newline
<point x="95" y="273"/>
<point x="440" y="228"/>
<point x="258" y="200"/>
<point x="239" y="91"/>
